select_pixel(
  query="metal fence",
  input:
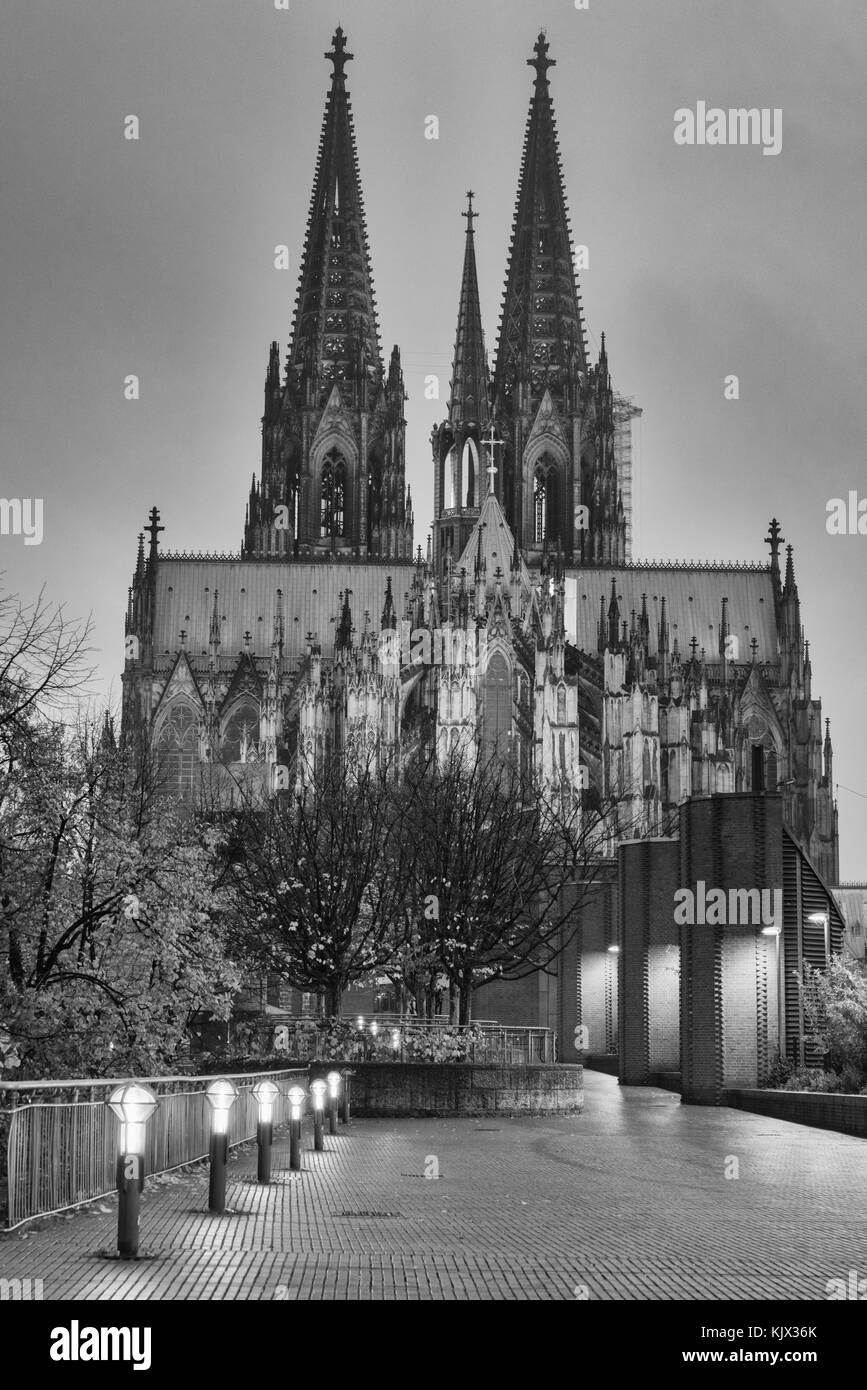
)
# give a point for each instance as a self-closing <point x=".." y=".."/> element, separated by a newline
<point x="396" y="1038"/>
<point x="61" y="1152"/>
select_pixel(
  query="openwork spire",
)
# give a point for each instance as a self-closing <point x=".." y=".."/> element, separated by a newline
<point x="335" y="336"/>
<point x="541" y="342"/>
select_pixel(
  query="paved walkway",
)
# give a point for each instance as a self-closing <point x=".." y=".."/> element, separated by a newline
<point x="630" y="1200"/>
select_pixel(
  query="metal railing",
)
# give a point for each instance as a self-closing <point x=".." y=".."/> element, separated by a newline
<point x="61" y="1152"/>
<point x="407" y="1038"/>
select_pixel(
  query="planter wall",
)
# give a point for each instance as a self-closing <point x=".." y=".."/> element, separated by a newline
<point x="846" y="1114"/>
<point x="450" y="1089"/>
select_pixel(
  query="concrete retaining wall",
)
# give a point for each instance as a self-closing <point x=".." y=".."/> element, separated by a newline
<point x="846" y="1114"/>
<point x="433" y="1088"/>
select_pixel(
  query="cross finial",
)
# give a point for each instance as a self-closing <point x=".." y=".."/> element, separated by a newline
<point x="773" y="538"/>
<point x="541" y="62"/>
<point x="154" y="527"/>
<point x="338" y="55"/>
<point x="492" y="443"/>
<point x="469" y="214"/>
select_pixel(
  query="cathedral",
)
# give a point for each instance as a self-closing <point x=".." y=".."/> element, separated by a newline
<point x="523" y="624"/>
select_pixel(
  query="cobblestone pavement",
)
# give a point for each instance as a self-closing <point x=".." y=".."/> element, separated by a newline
<point x="628" y="1201"/>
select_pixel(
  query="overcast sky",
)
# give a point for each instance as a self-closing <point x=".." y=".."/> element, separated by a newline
<point x="156" y="258"/>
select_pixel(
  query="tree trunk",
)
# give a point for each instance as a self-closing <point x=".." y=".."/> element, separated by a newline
<point x="333" y="999"/>
<point x="453" y="1003"/>
<point x="466" y="1001"/>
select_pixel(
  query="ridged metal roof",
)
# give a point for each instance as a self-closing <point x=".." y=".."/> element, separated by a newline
<point x="693" y="602"/>
<point x="248" y="601"/>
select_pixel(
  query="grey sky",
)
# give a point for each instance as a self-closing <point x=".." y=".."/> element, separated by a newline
<point x="156" y="258"/>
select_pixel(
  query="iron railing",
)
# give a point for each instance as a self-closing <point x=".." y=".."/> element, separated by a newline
<point x="407" y="1038"/>
<point x="61" y="1151"/>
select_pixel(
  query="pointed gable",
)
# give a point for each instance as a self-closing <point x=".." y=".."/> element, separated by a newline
<point x="335" y="426"/>
<point x="181" y="683"/>
<point x="491" y="546"/>
<point x="547" y="430"/>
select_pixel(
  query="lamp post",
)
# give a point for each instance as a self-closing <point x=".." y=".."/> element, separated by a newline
<point x="133" y="1104"/>
<point x="333" y="1093"/>
<point x="221" y="1096"/>
<point x="265" y="1094"/>
<point x="317" y="1091"/>
<point x="296" y="1100"/>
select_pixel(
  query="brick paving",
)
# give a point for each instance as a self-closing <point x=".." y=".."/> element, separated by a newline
<point x="628" y="1201"/>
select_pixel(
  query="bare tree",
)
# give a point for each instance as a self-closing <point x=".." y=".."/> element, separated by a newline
<point x="508" y="864"/>
<point x="320" y="878"/>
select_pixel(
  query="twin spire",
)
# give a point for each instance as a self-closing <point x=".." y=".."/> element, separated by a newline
<point x="335" y="334"/>
<point x="541" y="340"/>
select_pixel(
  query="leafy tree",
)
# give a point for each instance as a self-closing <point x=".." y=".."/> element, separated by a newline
<point x="835" y="1011"/>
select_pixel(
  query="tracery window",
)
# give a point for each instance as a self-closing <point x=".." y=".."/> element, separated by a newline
<point x="332" y="496"/>
<point x="241" y="734"/>
<point x="177" y="748"/>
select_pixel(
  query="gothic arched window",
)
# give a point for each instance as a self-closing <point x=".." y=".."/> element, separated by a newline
<point x="545" y="489"/>
<point x="177" y="747"/>
<point x="332" y="496"/>
<point x="540" y="507"/>
<point x="561" y="704"/>
<point x="469" y="474"/>
<point x="240" y="734"/>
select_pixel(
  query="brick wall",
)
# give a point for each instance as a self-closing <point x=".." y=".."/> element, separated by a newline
<point x="728" y="996"/>
<point x="846" y="1114"/>
<point x="649" y="959"/>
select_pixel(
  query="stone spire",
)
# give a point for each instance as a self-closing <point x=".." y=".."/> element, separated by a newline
<point x="468" y="403"/>
<point x="541" y="340"/>
<point x="335" y="335"/>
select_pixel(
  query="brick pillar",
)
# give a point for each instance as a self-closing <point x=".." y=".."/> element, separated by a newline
<point x="598" y="977"/>
<point x="728" y="995"/>
<point x="649" y="960"/>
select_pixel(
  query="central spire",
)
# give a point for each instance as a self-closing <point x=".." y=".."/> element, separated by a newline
<point x="469" y="388"/>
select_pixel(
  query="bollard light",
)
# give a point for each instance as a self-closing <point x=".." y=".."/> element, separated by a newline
<point x="133" y="1104"/>
<point x="359" y="1023"/>
<point x="374" y="1029"/>
<point x="296" y="1101"/>
<point x="344" y="1103"/>
<point x="317" y="1091"/>
<point x="333" y="1093"/>
<point x="395" y="1038"/>
<point x="265" y="1094"/>
<point x="221" y="1096"/>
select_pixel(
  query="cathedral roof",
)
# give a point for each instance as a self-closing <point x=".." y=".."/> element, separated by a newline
<point x="250" y="596"/>
<point x="491" y="547"/>
<point x="693" y="603"/>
